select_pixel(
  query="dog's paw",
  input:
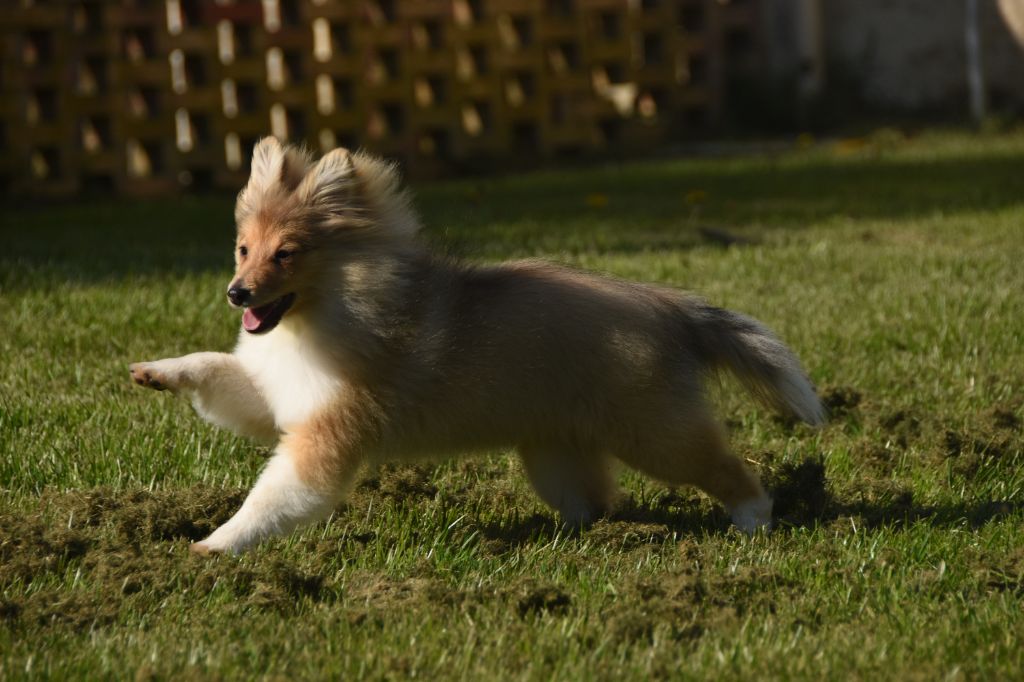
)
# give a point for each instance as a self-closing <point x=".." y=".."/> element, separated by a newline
<point x="147" y="374"/>
<point x="212" y="547"/>
<point x="202" y="549"/>
<point x="753" y="515"/>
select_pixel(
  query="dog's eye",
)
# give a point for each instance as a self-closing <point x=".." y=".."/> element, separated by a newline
<point x="242" y="251"/>
<point x="282" y="255"/>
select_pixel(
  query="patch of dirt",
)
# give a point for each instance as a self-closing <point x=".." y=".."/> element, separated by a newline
<point x="1006" y="574"/>
<point x="400" y="482"/>
<point x="900" y="427"/>
<point x="507" y="534"/>
<point x="688" y="603"/>
<point x="974" y="450"/>
<point x="628" y="535"/>
<point x="840" y="400"/>
<point x="1005" y="418"/>
<point x="880" y="458"/>
<point x="96" y="552"/>
<point x="801" y="492"/>
<point x="534" y="598"/>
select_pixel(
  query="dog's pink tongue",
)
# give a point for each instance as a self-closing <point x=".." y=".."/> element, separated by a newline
<point x="251" y="320"/>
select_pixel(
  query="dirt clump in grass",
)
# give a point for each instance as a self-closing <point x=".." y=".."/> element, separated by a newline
<point x="536" y="598"/>
<point x="147" y="515"/>
<point x="401" y="482"/>
<point x="978" y="447"/>
<point x="1005" y="418"/>
<point x="900" y="427"/>
<point x="626" y="535"/>
<point x="1005" y="574"/>
<point x="690" y="602"/>
<point x="89" y="555"/>
<point x="840" y="400"/>
<point x="801" y="492"/>
<point x="879" y="458"/>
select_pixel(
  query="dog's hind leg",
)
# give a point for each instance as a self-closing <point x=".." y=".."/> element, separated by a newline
<point x="219" y="388"/>
<point x="694" y="451"/>
<point x="580" y="486"/>
<point x="303" y="482"/>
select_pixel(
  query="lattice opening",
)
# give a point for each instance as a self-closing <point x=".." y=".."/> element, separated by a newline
<point x="434" y="143"/>
<point x="515" y="32"/>
<point x="144" y="102"/>
<point x="520" y="88"/>
<point x="428" y="35"/>
<point x="560" y="8"/>
<point x="611" y="130"/>
<point x="138" y="44"/>
<point x="739" y="42"/>
<point x="697" y="69"/>
<point x="651" y="103"/>
<point x="344" y="93"/>
<point x="467" y="12"/>
<point x="692" y="17"/>
<point x="95" y="134"/>
<point x="287" y="123"/>
<point x="394" y="117"/>
<point x="386" y="120"/>
<point x="476" y="118"/>
<point x="526" y="135"/>
<point x="429" y="92"/>
<point x="144" y="159"/>
<point x="290" y="12"/>
<point x="341" y="37"/>
<point x="695" y="117"/>
<point x="37" y="48"/>
<point x="44" y="163"/>
<point x="382" y="11"/>
<point x="563" y="58"/>
<point x="98" y="183"/>
<point x="87" y="18"/>
<point x="471" y="62"/>
<point x="41" y="106"/>
<point x="611" y="25"/>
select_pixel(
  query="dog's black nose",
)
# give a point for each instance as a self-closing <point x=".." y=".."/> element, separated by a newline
<point x="238" y="295"/>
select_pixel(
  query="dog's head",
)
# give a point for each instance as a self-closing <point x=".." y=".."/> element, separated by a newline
<point x="298" y="221"/>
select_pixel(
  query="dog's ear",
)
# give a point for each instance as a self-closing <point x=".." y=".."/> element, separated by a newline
<point x="273" y="163"/>
<point x="275" y="168"/>
<point x="329" y="184"/>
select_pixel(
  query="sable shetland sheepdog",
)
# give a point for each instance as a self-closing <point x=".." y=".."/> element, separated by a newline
<point x="358" y="345"/>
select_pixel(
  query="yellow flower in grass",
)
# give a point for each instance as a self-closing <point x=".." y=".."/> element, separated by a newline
<point x="695" y="196"/>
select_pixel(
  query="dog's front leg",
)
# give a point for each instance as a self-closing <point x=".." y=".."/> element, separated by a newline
<point x="302" y="483"/>
<point x="218" y="386"/>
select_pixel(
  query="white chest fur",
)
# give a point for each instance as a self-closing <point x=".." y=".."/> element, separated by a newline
<point x="294" y="375"/>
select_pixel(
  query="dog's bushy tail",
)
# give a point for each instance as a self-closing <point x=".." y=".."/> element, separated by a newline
<point x="762" y="362"/>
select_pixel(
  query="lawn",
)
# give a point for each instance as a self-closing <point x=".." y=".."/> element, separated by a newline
<point x="893" y="266"/>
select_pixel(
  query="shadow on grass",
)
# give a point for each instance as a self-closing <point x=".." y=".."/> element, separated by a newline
<point x="803" y="499"/>
<point x="538" y="213"/>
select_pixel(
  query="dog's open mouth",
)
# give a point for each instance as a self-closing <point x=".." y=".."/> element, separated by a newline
<point x="262" y="319"/>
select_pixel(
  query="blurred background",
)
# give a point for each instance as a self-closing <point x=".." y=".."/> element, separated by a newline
<point x="156" y="96"/>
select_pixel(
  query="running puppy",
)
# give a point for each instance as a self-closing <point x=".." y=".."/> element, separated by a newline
<point x="358" y="345"/>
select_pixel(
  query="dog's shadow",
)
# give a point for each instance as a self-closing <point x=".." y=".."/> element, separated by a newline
<point x="803" y="499"/>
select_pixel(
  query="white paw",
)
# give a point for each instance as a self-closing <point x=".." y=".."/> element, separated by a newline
<point x="753" y="515"/>
<point x="221" y="541"/>
<point x="160" y="374"/>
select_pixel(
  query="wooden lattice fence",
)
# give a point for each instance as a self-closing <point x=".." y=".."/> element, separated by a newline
<point x="149" y="96"/>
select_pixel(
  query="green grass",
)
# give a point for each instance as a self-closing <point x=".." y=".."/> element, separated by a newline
<point x="894" y="269"/>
